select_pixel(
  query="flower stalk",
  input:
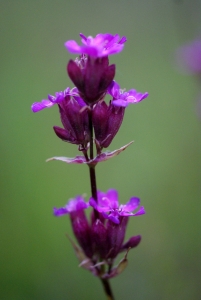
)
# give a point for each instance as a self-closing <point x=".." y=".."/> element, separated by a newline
<point x="89" y="122"/>
<point x="107" y="289"/>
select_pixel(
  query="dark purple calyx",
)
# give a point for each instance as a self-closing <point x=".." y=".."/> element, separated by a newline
<point x="100" y="238"/>
<point x="82" y="231"/>
<point x="74" y="118"/>
<point x="92" y="80"/>
<point x="106" y="121"/>
<point x="116" y="234"/>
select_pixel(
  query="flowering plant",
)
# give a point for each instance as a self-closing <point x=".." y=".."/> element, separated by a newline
<point x="188" y="58"/>
<point x="89" y="122"/>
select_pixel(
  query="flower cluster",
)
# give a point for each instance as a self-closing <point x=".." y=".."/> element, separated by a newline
<point x="103" y="236"/>
<point x="94" y="79"/>
<point x="90" y="122"/>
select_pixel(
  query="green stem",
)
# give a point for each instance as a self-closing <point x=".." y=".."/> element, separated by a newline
<point x="105" y="282"/>
<point x="107" y="289"/>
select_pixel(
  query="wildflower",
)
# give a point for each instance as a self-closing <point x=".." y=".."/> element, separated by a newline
<point x="108" y="205"/>
<point x="100" y="46"/>
<point x="117" y="220"/>
<point x="103" y="236"/>
<point x="73" y="116"/>
<point x="52" y="100"/>
<point x="107" y="119"/>
<point x="92" y="74"/>
<point x="87" y="120"/>
<point x="122" y="98"/>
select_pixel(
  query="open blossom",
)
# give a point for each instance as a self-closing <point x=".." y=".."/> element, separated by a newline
<point x="111" y="116"/>
<point x="102" y="45"/>
<point x="122" y="98"/>
<point x="52" y="100"/>
<point x="105" y="232"/>
<point x="116" y="219"/>
<point x="108" y="205"/>
<point x="73" y="116"/>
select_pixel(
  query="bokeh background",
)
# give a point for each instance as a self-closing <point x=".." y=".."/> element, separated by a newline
<point x="162" y="167"/>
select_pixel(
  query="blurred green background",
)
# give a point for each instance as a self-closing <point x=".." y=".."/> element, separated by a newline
<point x="162" y="167"/>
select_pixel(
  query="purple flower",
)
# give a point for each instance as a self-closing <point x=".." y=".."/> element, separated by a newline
<point x="113" y="230"/>
<point x="74" y="205"/>
<point x="52" y="100"/>
<point x="108" y="205"/>
<point x="122" y="98"/>
<point x="102" y="45"/>
<point x="74" y="116"/>
<point x="103" y="236"/>
<point x="189" y="57"/>
<point x="107" y="119"/>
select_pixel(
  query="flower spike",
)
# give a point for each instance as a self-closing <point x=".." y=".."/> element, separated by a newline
<point x="91" y="123"/>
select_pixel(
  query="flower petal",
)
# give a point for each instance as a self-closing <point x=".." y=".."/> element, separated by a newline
<point x="37" y="106"/>
<point x="52" y="100"/>
<point x="99" y="46"/>
<point x="58" y="212"/>
<point x="114" y="89"/>
<point x="102" y="205"/>
<point x="76" y="204"/>
<point x="140" y="212"/>
<point x="132" y="204"/>
<point x="120" y="102"/>
<point x="72" y="47"/>
<point x="112" y="195"/>
<point x="114" y="218"/>
<point x="135" y="97"/>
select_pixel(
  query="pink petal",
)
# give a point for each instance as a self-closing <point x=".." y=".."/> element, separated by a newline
<point x="37" y="106"/>
<point x="113" y="197"/>
<point x="120" y="102"/>
<point x="140" y="212"/>
<point x="132" y="204"/>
